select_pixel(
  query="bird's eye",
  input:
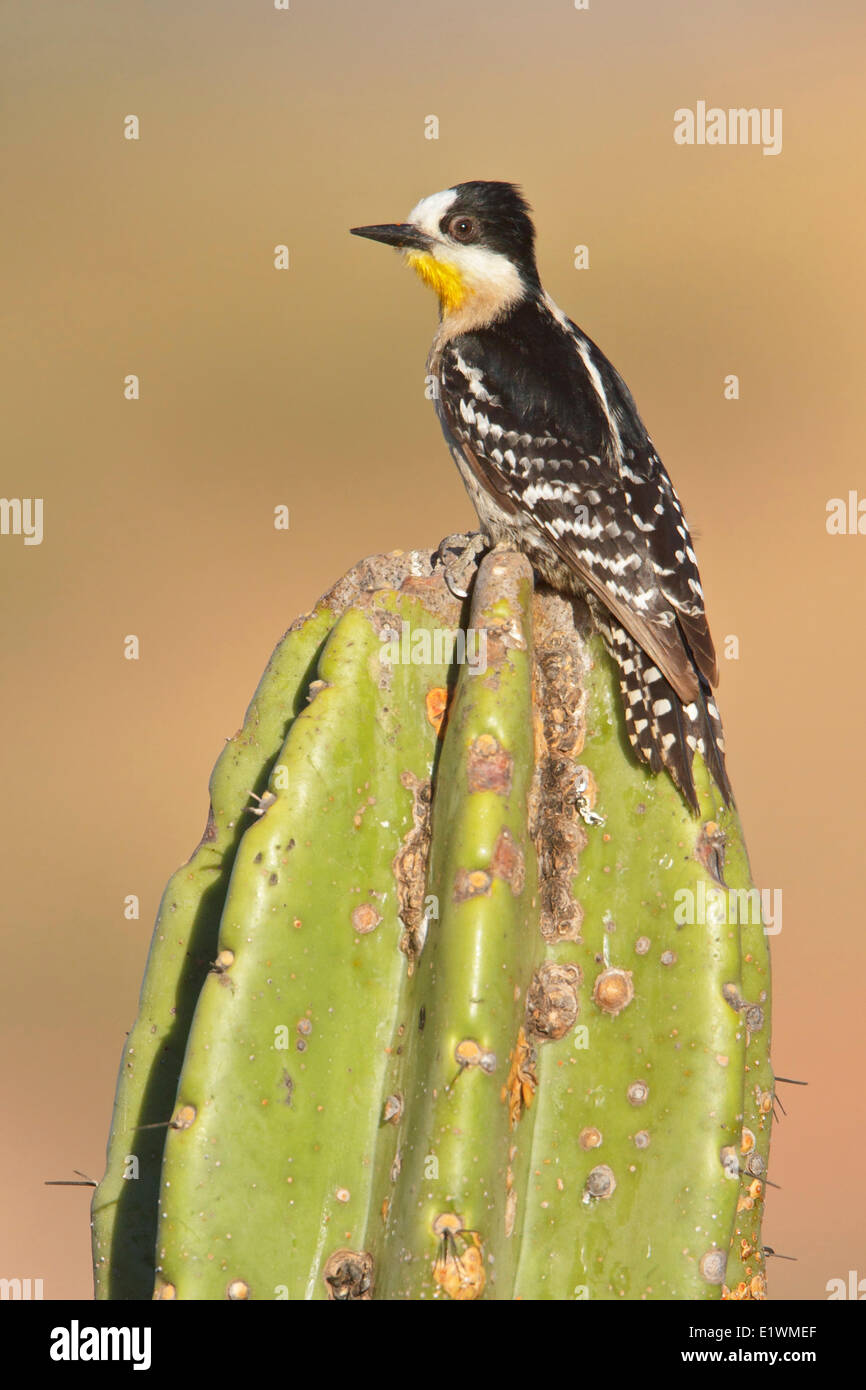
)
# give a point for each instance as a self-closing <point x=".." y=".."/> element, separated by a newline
<point x="462" y="228"/>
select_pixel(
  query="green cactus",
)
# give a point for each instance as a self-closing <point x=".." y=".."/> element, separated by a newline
<point x="417" y="1022"/>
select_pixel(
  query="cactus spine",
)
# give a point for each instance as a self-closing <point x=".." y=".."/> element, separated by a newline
<point x="435" y="1036"/>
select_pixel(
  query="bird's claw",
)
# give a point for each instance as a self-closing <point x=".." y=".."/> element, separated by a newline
<point x="459" y="556"/>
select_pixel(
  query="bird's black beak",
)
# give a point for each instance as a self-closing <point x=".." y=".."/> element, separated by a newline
<point x="399" y="234"/>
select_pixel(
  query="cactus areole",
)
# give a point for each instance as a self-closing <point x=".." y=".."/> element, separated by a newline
<point x="455" y="999"/>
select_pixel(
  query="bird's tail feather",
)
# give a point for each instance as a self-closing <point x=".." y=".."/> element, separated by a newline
<point x="664" y="732"/>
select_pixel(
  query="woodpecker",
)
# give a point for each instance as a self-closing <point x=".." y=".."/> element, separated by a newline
<point x="559" y="465"/>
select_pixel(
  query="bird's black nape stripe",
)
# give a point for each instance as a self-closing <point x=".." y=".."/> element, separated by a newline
<point x="504" y="221"/>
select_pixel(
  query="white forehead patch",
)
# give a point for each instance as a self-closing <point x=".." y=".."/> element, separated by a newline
<point x="429" y="212"/>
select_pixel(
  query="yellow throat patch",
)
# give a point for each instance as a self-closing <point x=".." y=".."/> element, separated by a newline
<point x="442" y="277"/>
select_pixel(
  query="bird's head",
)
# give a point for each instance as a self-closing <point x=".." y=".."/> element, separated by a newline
<point x="474" y="244"/>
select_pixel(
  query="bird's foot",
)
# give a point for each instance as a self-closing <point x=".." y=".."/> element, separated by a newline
<point x="459" y="555"/>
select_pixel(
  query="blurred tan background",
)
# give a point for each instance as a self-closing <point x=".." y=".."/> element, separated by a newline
<point x="306" y="387"/>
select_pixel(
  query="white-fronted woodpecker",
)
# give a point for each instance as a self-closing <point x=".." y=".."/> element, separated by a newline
<point x="559" y="465"/>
